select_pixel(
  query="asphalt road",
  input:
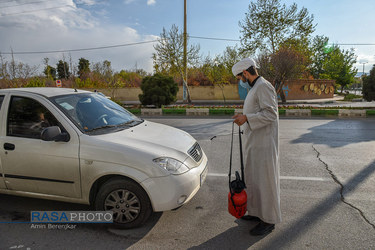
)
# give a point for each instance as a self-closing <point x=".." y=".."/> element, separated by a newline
<point x="327" y="197"/>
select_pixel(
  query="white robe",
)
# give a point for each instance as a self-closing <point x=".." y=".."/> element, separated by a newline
<point x="261" y="152"/>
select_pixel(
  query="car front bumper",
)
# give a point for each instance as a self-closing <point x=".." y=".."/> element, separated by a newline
<point x="172" y="191"/>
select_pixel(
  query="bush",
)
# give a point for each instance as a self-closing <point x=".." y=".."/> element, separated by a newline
<point x="350" y="97"/>
<point x="158" y="90"/>
<point x="167" y="111"/>
<point x="222" y="111"/>
<point x="35" y="82"/>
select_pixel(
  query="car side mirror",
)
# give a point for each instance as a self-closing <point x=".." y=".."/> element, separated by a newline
<point x="54" y="134"/>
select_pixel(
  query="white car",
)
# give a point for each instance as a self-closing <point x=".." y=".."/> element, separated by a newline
<point x="78" y="146"/>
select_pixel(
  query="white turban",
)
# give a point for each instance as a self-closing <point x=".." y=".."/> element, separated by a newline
<point x="242" y="65"/>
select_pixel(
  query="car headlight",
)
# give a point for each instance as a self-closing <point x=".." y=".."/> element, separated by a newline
<point x="173" y="166"/>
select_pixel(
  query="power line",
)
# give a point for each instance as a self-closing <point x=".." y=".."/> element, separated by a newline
<point x="24" y="12"/>
<point x="354" y="44"/>
<point x="7" y="1"/>
<point x="17" y="5"/>
<point x="236" y="40"/>
<point x="82" y="49"/>
<point x="151" y="41"/>
<point x="214" y="38"/>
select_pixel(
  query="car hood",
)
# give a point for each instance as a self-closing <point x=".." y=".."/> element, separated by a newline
<point x="137" y="147"/>
<point x="153" y="137"/>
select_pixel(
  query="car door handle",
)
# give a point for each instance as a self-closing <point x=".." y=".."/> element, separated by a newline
<point x="9" y="146"/>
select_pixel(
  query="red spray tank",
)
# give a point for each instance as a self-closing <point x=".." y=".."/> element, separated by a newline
<point x="237" y="198"/>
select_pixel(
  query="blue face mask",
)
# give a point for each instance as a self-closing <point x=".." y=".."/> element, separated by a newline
<point x="245" y="84"/>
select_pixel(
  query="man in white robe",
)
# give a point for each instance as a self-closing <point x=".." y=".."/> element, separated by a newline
<point x="260" y="123"/>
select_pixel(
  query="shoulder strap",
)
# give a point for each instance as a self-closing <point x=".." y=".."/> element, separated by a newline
<point x="231" y="155"/>
<point x="241" y="155"/>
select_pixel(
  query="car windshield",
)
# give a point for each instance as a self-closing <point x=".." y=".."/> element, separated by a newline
<point x="93" y="112"/>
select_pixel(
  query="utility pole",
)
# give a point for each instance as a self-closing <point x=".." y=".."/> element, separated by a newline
<point x="185" y="55"/>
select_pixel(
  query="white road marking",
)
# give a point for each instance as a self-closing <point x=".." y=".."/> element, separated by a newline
<point x="297" y="178"/>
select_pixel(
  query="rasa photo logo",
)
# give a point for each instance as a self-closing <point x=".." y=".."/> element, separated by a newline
<point x="68" y="217"/>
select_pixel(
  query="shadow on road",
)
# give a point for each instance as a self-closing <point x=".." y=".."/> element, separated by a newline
<point x="317" y="213"/>
<point x="339" y="133"/>
<point x="15" y="217"/>
<point x="233" y="238"/>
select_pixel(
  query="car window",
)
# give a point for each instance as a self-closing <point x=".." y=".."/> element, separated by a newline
<point x="93" y="111"/>
<point x="27" y="118"/>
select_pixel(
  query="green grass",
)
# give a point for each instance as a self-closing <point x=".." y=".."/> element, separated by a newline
<point x="134" y="111"/>
<point x="230" y="111"/>
<point x="221" y="111"/>
<point x="350" y="97"/>
<point x="174" y="111"/>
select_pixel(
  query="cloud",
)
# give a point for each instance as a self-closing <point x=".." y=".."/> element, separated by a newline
<point x="87" y="2"/>
<point x="73" y="28"/>
<point x="129" y="1"/>
<point x="151" y="2"/>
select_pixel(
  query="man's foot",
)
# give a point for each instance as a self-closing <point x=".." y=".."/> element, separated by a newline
<point x="250" y="217"/>
<point x="262" y="228"/>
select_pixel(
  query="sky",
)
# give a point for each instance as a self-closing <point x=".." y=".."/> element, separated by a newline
<point x="58" y="25"/>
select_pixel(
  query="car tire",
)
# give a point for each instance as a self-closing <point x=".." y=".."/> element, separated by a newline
<point x="127" y="200"/>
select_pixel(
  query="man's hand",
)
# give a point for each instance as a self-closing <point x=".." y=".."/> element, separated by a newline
<point x="239" y="119"/>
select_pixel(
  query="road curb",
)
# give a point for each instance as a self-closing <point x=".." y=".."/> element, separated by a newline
<point x="199" y="112"/>
<point x="352" y="113"/>
<point x="151" y="111"/>
<point x="298" y="112"/>
<point x="340" y="113"/>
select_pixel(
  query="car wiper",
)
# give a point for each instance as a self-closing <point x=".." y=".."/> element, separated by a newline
<point x="131" y="123"/>
<point x="102" y="127"/>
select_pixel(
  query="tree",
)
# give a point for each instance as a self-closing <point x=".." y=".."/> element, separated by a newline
<point x="216" y="72"/>
<point x="3" y="68"/>
<point x="103" y="71"/>
<point x="329" y="62"/>
<point x="50" y="72"/>
<point x="15" y="74"/>
<point x="83" y="68"/>
<point x="285" y="64"/>
<point x="280" y="35"/>
<point x="339" y="66"/>
<point x="369" y="86"/>
<point x="130" y="78"/>
<point x="168" y="58"/>
<point x="158" y="90"/>
<point x="268" y="24"/>
<point x="320" y="53"/>
<point x="63" y="70"/>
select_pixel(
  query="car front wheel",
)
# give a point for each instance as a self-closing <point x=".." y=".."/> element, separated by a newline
<point x="129" y="203"/>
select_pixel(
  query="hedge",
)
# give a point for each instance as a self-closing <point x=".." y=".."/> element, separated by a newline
<point x="222" y="111"/>
<point x="174" y="111"/>
<point x="134" y="111"/>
